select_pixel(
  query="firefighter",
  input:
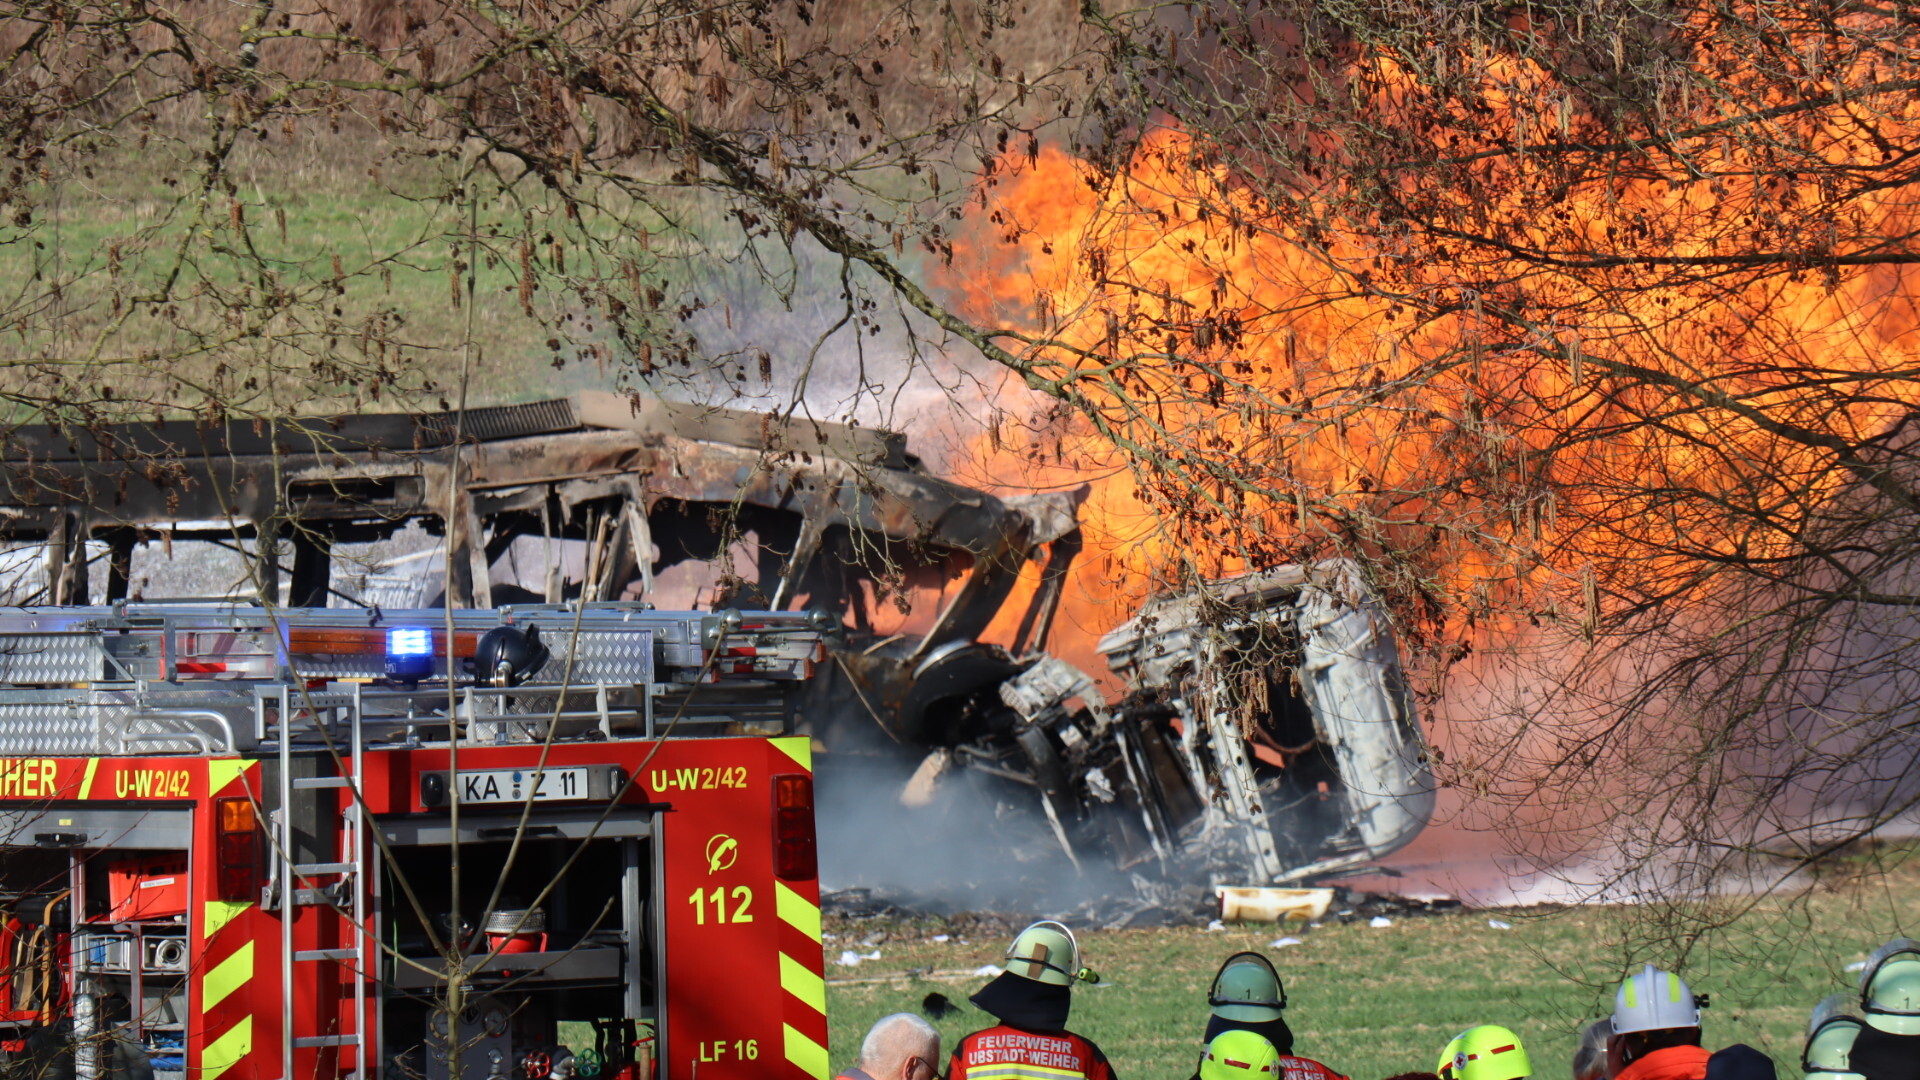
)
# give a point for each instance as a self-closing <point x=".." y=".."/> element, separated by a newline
<point x="1490" y="1052"/>
<point x="1247" y="996"/>
<point x="1656" y="1036"/>
<point x="1239" y="1054"/>
<point x="1888" y="1046"/>
<point x="1656" y="1030"/>
<point x="1031" y="999"/>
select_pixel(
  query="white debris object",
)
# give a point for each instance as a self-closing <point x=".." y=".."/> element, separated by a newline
<point x="1380" y="922"/>
<point x="874" y="955"/>
<point x="1857" y="966"/>
<point x="1262" y="904"/>
<point x="1499" y="925"/>
<point x="1215" y="925"/>
<point x="1281" y="943"/>
<point x="940" y="939"/>
<point x="848" y="958"/>
<point x="989" y="970"/>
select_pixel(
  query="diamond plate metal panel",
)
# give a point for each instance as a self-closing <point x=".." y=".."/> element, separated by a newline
<point x="623" y="657"/>
<point x="48" y="726"/>
<point x="47" y="659"/>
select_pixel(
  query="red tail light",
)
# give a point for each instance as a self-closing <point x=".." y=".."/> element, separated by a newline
<point x="238" y="849"/>
<point x="795" y="857"/>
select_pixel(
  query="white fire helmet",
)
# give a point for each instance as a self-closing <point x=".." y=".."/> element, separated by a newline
<point x="1046" y="952"/>
<point x="1830" y="1035"/>
<point x="1890" y="988"/>
<point x="1654" y="1000"/>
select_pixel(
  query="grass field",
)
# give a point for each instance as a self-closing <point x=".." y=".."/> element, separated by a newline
<point x="367" y="241"/>
<point x="1375" y="1002"/>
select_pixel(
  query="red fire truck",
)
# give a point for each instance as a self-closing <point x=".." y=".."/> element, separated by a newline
<point x="534" y="843"/>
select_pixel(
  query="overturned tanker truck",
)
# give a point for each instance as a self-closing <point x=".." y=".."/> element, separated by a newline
<point x="1262" y="731"/>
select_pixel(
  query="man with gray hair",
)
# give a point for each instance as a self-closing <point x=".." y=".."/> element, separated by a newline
<point x="898" y="1047"/>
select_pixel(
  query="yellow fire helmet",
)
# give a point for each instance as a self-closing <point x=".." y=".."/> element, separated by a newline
<point x="1240" y="1055"/>
<point x="1046" y="952"/>
<point x="1490" y="1052"/>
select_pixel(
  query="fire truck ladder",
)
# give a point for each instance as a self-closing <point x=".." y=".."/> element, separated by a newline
<point x="347" y="896"/>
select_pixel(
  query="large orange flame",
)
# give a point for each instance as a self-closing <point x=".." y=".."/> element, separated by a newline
<point x="1245" y="398"/>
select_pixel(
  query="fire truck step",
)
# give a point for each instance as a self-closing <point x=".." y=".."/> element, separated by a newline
<point x="308" y="783"/>
<point x="312" y="1041"/>
<point x="307" y="869"/>
<point x="327" y="954"/>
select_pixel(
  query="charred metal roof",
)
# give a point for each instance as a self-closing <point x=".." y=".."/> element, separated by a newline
<point x="377" y="469"/>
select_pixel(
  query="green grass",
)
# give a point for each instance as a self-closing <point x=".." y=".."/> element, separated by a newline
<point x="113" y="221"/>
<point x="357" y="236"/>
<point x="1375" y="1002"/>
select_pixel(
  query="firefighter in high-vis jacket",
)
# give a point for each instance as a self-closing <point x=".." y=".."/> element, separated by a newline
<point x="1031" y="999"/>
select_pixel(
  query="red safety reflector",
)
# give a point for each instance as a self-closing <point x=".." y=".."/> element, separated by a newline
<point x="795" y="856"/>
<point x="1500" y="1049"/>
<point x="238" y="849"/>
<point x="1233" y="1063"/>
<point x="199" y="667"/>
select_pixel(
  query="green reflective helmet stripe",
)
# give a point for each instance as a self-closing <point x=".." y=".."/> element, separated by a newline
<point x="1240" y="1055"/>
<point x="1676" y="991"/>
<point x="1247" y="989"/>
<point x="1654" y="1000"/>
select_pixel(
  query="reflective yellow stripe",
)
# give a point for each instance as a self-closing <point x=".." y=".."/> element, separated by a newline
<point x="803" y="984"/>
<point x="797" y="747"/>
<point x="221" y="771"/>
<point x="226" y="1051"/>
<point x="231" y="975"/>
<point x="86" y="782"/>
<point x="989" y="1072"/>
<point x="810" y="1056"/>
<point x="1626" y="991"/>
<point x="1673" y="987"/>
<point x="219" y="913"/>
<point x="799" y="912"/>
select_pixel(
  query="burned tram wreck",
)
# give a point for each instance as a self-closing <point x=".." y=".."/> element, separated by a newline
<point x="1262" y="732"/>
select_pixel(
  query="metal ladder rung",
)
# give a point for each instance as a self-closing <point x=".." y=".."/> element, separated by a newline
<point x="309" y="783"/>
<point x="326" y="954"/>
<point x="308" y="869"/>
<point x="308" y="1042"/>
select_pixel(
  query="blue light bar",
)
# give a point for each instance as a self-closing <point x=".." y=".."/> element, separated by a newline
<point x="409" y="641"/>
